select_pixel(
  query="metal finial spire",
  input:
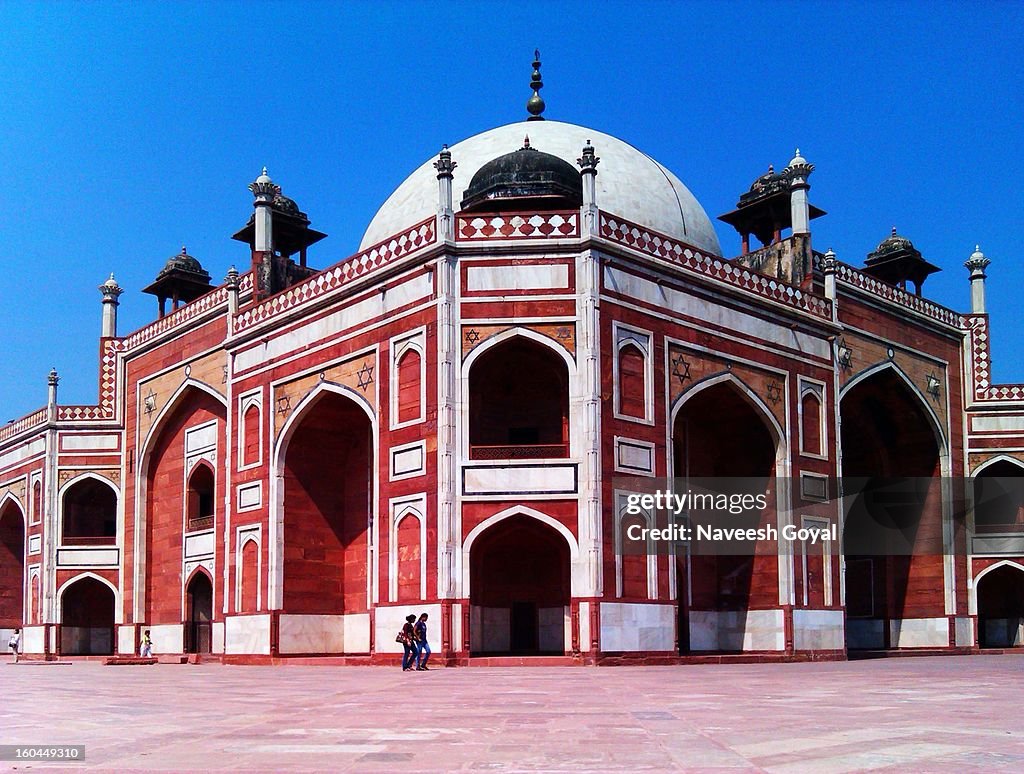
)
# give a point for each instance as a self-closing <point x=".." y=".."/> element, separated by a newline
<point x="535" y="105"/>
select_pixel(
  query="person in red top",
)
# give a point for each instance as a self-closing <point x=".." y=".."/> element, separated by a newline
<point x="408" y="640"/>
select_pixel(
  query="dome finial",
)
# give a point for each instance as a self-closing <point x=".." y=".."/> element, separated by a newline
<point x="535" y="105"/>
<point x="894" y="230"/>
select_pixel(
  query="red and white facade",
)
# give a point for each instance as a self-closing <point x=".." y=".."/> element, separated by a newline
<point x="442" y="423"/>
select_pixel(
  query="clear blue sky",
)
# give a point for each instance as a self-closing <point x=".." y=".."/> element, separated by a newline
<point x="128" y="130"/>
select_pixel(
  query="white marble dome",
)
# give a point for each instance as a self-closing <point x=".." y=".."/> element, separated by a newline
<point x="629" y="182"/>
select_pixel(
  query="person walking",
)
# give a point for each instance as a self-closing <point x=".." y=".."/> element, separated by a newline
<point x="408" y="639"/>
<point x="146" y="648"/>
<point x="14" y="642"/>
<point x="422" y="646"/>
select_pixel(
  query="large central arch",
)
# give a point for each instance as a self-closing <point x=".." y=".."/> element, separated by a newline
<point x="325" y="481"/>
<point x="893" y="457"/>
<point x="722" y="430"/>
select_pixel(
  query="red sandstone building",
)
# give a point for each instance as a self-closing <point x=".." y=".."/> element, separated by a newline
<point x="287" y="464"/>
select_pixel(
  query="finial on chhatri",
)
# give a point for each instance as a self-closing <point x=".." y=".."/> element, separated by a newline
<point x="444" y="164"/>
<point x="110" y="288"/>
<point x="894" y="231"/>
<point x="589" y="160"/>
<point x="526" y="142"/>
<point x="263" y="188"/>
<point x="978" y="261"/>
<point x="535" y="105"/>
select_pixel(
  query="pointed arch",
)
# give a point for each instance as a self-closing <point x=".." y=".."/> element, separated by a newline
<point x="168" y="411"/>
<point x="141" y="582"/>
<point x="745" y="392"/>
<point x="997" y="459"/>
<point x="63" y="506"/>
<point x="82" y="576"/>
<point x="275" y="593"/>
<point x="10" y="497"/>
<point x="516" y="510"/>
<point x="878" y="368"/>
<point x="526" y="333"/>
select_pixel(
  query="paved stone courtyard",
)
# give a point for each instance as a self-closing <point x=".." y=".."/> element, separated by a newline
<point x="923" y="714"/>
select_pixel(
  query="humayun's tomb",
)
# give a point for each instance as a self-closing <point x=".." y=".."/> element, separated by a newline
<point x="284" y="465"/>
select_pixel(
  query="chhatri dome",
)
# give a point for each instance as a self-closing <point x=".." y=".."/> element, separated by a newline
<point x="630" y="183"/>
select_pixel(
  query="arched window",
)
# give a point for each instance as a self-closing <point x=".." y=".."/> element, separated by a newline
<point x="810" y="418"/>
<point x="409" y="386"/>
<point x="250" y="577"/>
<point x="519" y="403"/>
<point x="200" y="498"/>
<point x="37" y="502"/>
<point x="89" y="513"/>
<point x="632" y="382"/>
<point x="251" y="435"/>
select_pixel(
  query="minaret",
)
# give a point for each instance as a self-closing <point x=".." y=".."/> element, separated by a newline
<point x="588" y="171"/>
<point x="535" y="105"/>
<point x="445" y="213"/>
<point x="799" y="170"/>
<point x="51" y="395"/>
<point x="977" y="264"/>
<point x="110" y="290"/>
<point x="263" y="190"/>
<point x="233" y="284"/>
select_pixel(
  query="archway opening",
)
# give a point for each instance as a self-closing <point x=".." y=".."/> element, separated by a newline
<point x="87" y="619"/>
<point x="519" y="589"/>
<point x="199" y="614"/>
<point x="892" y="538"/>
<point x="722" y="443"/>
<point x="1001" y="608"/>
<point x="519" y="403"/>
<point x="89" y="513"/>
<point x="327" y="508"/>
<point x="200" y="498"/>
<point x="12" y="566"/>
<point x="189" y="433"/>
<point x="999" y="498"/>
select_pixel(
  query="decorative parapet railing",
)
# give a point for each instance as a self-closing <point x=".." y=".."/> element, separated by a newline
<point x="862" y="281"/>
<point x="980" y="365"/>
<point x="520" y="452"/>
<point x="651" y="242"/>
<point x="520" y="225"/>
<point x="359" y="265"/>
<point x="11" y="429"/>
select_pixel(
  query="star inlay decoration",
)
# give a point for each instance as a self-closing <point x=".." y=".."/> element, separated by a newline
<point x="472" y="336"/>
<point x="774" y="392"/>
<point x="284" y="404"/>
<point x="680" y="368"/>
<point x="365" y="376"/>
<point x="224" y="377"/>
<point x="149" y="402"/>
<point x="563" y="333"/>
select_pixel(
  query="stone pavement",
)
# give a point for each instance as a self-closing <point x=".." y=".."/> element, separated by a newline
<point x="950" y="714"/>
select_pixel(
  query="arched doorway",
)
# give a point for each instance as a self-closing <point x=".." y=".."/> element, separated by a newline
<point x="327" y="472"/>
<point x="89" y="513"/>
<point x="87" y="618"/>
<point x="519" y="589"/>
<point x="192" y="428"/>
<point x="722" y="442"/>
<point x="518" y="402"/>
<point x="892" y="538"/>
<point x="1001" y="608"/>
<point x="198" y="614"/>
<point x="12" y="566"/>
